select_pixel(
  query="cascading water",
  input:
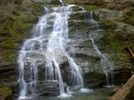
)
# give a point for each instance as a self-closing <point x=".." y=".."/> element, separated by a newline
<point x="50" y="38"/>
<point x="106" y="65"/>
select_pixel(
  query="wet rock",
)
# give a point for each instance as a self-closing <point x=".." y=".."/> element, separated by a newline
<point x="121" y="68"/>
<point x="86" y="51"/>
<point x="75" y="88"/>
<point x="48" y="88"/>
<point x="94" y="79"/>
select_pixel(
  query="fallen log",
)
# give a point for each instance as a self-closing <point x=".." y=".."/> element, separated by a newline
<point x="131" y="52"/>
<point x="122" y="93"/>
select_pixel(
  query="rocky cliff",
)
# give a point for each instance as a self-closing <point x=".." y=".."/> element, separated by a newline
<point x="115" y="18"/>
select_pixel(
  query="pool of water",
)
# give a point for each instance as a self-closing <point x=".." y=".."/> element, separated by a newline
<point x="85" y="96"/>
<point x="96" y="94"/>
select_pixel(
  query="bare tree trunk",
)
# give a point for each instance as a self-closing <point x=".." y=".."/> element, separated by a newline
<point x="124" y="91"/>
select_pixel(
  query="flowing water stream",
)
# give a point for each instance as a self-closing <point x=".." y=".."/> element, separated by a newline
<point x="106" y="65"/>
<point x="50" y="37"/>
<point x="46" y="49"/>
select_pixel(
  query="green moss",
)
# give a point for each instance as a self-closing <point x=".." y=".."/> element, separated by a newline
<point x="12" y="77"/>
<point x="77" y="16"/>
<point x="9" y="54"/>
<point x="70" y="1"/>
<point x="90" y="7"/>
<point x="111" y="40"/>
<point x="107" y="24"/>
<point x="9" y="44"/>
<point x="111" y="43"/>
<point x="5" y="91"/>
<point x="2" y="31"/>
<point x="129" y="16"/>
<point x="8" y="57"/>
<point x="38" y="7"/>
<point x="129" y="20"/>
<point x="115" y="47"/>
<point x="14" y="27"/>
<point x="87" y="43"/>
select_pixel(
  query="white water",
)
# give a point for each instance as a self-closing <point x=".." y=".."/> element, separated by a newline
<point x="50" y="36"/>
<point x="106" y="65"/>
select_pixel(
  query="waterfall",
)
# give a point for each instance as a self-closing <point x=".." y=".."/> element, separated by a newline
<point x="106" y="65"/>
<point x="49" y="39"/>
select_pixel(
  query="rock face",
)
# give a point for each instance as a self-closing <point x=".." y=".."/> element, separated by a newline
<point x="122" y="33"/>
<point x="86" y="55"/>
<point x="109" y="42"/>
<point x="109" y="14"/>
<point x="115" y="21"/>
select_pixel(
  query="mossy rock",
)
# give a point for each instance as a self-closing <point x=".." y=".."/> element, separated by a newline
<point x="6" y="92"/>
<point x="70" y="1"/>
<point x="107" y="24"/>
<point x="87" y="43"/>
<point x="90" y="7"/>
<point x="15" y="26"/>
<point x="129" y="19"/>
<point x="129" y="15"/>
<point x="111" y="42"/>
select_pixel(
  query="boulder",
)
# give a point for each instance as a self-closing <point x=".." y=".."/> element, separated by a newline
<point x="48" y="88"/>
<point x="107" y="14"/>
<point x="123" y="27"/>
